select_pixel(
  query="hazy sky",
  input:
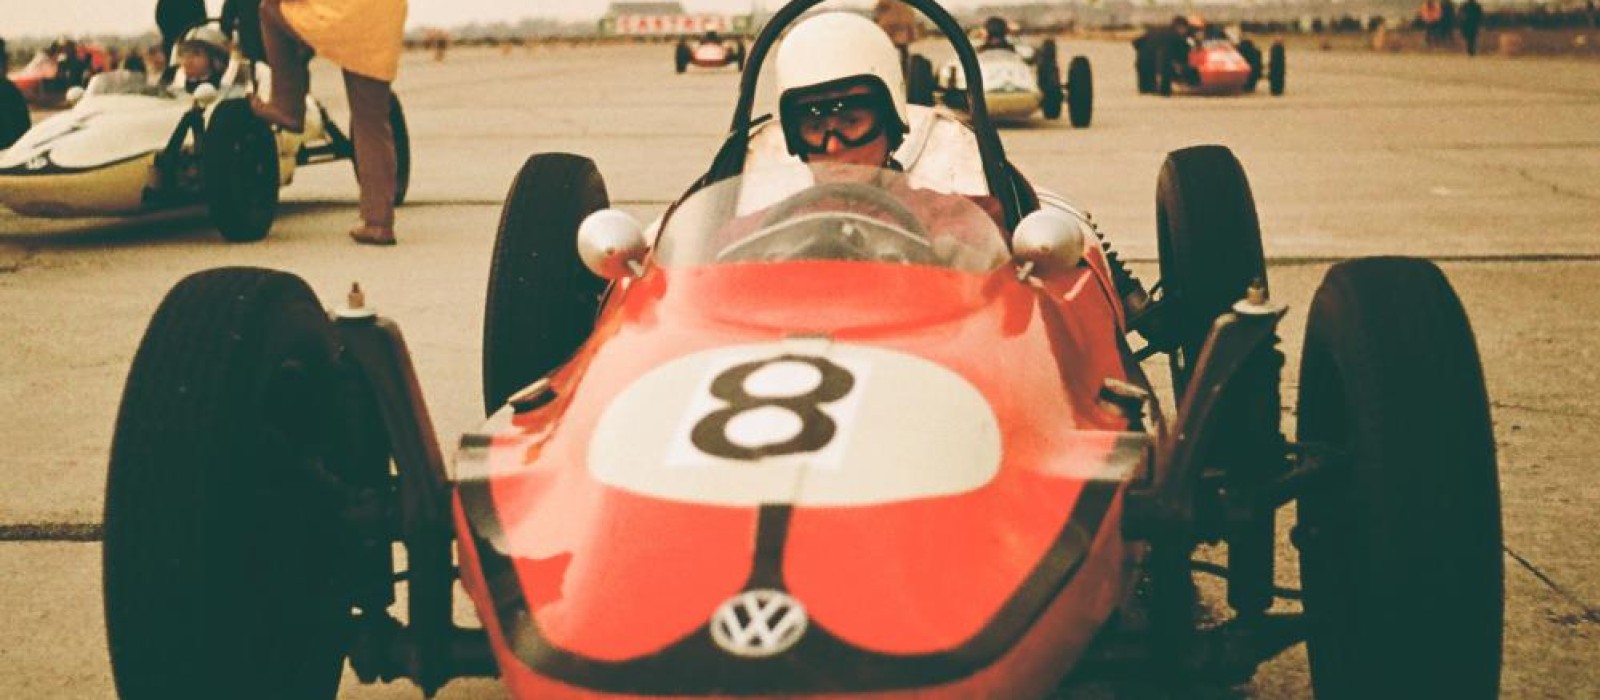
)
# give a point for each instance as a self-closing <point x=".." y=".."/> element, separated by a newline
<point x="52" y="17"/>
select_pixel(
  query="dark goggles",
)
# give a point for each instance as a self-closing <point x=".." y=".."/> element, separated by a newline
<point x="854" y="120"/>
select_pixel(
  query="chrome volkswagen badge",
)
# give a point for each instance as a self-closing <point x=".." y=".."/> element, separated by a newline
<point x="759" y="623"/>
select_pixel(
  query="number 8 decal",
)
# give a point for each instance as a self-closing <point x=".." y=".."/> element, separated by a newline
<point x="816" y="429"/>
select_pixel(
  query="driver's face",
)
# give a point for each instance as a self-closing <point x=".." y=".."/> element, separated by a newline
<point x="829" y="119"/>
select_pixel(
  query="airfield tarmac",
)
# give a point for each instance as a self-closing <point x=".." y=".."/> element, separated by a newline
<point x="1489" y="166"/>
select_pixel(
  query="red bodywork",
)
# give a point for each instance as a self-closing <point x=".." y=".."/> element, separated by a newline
<point x="35" y="80"/>
<point x="711" y="55"/>
<point x="1220" y="66"/>
<point x="589" y="590"/>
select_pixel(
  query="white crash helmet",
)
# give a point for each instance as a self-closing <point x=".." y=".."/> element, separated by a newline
<point x="837" y="48"/>
<point x="208" y="38"/>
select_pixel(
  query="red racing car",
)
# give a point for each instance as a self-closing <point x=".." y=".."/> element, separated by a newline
<point x="46" y="78"/>
<point x="1214" y="65"/>
<point x="824" y="431"/>
<point x="711" y="51"/>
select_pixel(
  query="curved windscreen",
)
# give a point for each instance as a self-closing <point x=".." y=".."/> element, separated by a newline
<point x="123" y="82"/>
<point x="831" y="212"/>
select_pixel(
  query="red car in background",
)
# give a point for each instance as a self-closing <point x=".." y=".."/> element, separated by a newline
<point x="712" y="51"/>
<point x="52" y="72"/>
<point x="1215" y="65"/>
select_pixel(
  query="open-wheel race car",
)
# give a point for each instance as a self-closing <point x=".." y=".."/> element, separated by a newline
<point x="709" y="51"/>
<point x="131" y="145"/>
<point x="833" y="431"/>
<point x="1207" y="63"/>
<point x="1019" y="82"/>
<point x="47" y="77"/>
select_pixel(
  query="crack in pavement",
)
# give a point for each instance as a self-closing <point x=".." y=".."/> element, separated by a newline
<point x="1590" y="613"/>
<point x="1543" y="411"/>
<point x="1310" y="260"/>
<point x="1436" y="156"/>
<point x="52" y="532"/>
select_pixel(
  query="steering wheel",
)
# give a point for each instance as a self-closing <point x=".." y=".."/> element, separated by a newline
<point x="850" y="192"/>
<point x="784" y="232"/>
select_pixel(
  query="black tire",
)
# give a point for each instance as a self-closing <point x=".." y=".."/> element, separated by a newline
<point x="1051" y="94"/>
<point x="14" y="117"/>
<point x="402" y="150"/>
<point x="1277" y="67"/>
<point x="1209" y="241"/>
<point x="1144" y="65"/>
<point x="1080" y="92"/>
<point x="222" y="554"/>
<point x="920" y="81"/>
<point x="1048" y="53"/>
<point x="239" y="161"/>
<point x="1252" y="57"/>
<point x="1400" y="547"/>
<point x="542" y="300"/>
<point x="680" y="57"/>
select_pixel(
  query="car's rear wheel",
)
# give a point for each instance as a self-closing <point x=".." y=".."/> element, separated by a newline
<point x="14" y="117"/>
<point x="1080" y="92"/>
<point x="223" y="553"/>
<point x="542" y="300"/>
<point x="1252" y="57"/>
<point x="1209" y="241"/>
<point x="239" y="161"/>
<point x="1400" y="543"/>
<point x="1051" y="94"/>
<point x="402" y="150"/>
<point x="1277" y="68"/>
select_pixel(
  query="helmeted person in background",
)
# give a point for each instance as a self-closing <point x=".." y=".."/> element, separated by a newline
<point x="364" y="37"/>
<point x="996" y="35"/>
<point x="203" y="56"/>
<point x="842" y="92"/>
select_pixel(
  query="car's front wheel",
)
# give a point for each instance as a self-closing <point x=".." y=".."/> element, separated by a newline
<point x="1400" y="540"/>
<point x="541" y="301"/>
<point x="14" y="117"/>
<point x="239" y="162"/>
<point x="1080" y="92"/>
<point x="223" y="560"/>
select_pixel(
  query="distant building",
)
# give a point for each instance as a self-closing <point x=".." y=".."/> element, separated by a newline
<point x="653" y="9"/>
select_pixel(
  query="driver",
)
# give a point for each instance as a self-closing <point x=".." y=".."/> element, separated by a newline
<point x="842" y="98"/>
<point x="995" y="32"/>
<point x="203" y="55"/>
<point x="842" y="93"/>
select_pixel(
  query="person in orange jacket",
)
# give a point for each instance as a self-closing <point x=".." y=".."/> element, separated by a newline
<point x="364" y="38"/>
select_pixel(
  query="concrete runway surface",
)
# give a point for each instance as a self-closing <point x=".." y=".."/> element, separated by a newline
<point x="1490" y="166"/>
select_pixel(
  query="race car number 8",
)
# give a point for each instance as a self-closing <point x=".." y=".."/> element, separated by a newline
<point x="774" y="408"/>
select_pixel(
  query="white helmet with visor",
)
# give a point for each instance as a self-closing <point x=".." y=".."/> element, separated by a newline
<point x="829" y="54"/>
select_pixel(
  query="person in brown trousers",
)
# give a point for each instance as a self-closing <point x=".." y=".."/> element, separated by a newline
<point x="363" y="37"/>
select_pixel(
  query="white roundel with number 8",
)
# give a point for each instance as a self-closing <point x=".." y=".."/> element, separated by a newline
<point x="805" y="422"/>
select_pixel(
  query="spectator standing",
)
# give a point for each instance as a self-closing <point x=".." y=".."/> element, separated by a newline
<point x="364" y="38"/>
<point x="174" y="17"/>
<point x="1471" y="18"/>
<point x="1447" y="22"/>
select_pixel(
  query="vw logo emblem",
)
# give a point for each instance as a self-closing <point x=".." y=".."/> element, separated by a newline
<point x="758" y="624"/>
